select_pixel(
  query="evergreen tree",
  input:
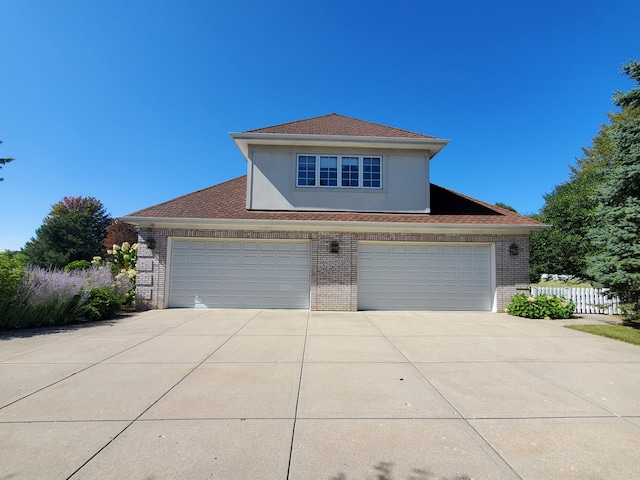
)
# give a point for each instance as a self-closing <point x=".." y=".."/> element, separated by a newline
<point x="570" y="208"/>
<point x="616" y="231"/>
<point x="74" y="230"/>
<point x="4" y="161"/>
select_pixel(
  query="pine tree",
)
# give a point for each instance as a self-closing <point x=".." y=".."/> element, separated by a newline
<point x="74" y="230"/>
<point x="615" y="235"/>
<point x="4" y="161"/>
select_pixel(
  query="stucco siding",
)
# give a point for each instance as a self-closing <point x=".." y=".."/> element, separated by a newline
<point x="272" y="183"/>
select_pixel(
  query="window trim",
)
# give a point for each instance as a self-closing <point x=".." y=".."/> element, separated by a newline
<point x="339" y="157"/>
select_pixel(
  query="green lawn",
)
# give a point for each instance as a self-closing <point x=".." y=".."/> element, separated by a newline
<point x="618" y="332"/>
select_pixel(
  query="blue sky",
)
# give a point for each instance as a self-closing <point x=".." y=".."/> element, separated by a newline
<point x="132" y="102"/>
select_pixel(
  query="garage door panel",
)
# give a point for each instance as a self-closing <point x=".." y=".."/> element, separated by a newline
<point x="424" y="277"/>
<point x="239" y="274"/>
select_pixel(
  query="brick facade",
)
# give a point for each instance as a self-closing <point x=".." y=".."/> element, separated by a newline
<point x="334" y="276"/>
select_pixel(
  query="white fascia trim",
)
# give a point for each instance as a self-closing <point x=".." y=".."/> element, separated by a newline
<point x="321" y="226"/>
<point x="242" y="141"/>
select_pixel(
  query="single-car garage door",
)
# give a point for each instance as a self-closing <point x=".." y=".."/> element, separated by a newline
<point x="401" y="276"/>
<point x="239" y="274"/>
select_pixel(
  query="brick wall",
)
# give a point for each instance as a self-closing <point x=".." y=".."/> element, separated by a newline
<point x="334" y="276"/>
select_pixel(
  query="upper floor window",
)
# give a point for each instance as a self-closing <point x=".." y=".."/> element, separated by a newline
<point x="306" y="170"/>
<point x="371" y="172"/>
<point x="328" y="171"/>
<point x="339" y="171"/>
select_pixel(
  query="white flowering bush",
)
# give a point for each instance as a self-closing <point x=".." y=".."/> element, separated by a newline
<point x="124" y="257"/>
<point x="122" y="260"/>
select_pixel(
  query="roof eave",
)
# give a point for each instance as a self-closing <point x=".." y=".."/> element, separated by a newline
<point x="330" y="226"/>
<point x="243" y="140"/>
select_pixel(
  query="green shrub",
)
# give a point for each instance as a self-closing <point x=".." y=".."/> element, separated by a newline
<point x="47" y="297"/>
<point x="11" y="273"/>
<point x="11" y="269"/>
<point x="102" y="303"/>
<point x="77" y="265"/>
<point x="56" y="309"/>
<point x="542" y="306"/>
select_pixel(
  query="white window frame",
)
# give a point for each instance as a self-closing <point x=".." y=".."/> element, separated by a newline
<point x="317" y="157"/>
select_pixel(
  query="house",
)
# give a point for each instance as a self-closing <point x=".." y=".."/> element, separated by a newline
<point x="334" y="213"/>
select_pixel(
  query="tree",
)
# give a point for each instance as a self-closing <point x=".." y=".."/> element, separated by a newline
<point x="4" y="161"/>
<point x="563" y="248"/>
<point x="506" y="207"/>
<point x="74" y="230"/>
<point x="119" y="232"/>
<point x="570" y="207"/>
<point x="616" y="231"/>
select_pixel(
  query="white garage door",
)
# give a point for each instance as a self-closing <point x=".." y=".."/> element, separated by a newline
<point x="400" y="276"/>
<point x="239" y="274"/>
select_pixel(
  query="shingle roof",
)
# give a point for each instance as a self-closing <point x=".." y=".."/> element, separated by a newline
<point x="227" y="201"/>
<point x="338" y="125"/>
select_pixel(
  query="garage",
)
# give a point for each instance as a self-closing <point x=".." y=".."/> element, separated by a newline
<point x="239" y="274"/>
<point x="401" y="276"/>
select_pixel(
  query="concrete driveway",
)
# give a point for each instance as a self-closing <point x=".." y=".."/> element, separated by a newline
<point x="250" y="394"/>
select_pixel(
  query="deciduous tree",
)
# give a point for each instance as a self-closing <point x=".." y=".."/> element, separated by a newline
<point x="119" y="232"/>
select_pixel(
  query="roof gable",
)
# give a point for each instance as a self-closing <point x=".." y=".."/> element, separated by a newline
<point x="338" y="125"/>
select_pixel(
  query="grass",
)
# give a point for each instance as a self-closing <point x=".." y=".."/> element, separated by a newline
<point x="629" y="334"/>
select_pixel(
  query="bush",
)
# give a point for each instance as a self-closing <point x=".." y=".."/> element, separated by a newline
<point x="55" y="297"/>
<point x="631" y="312"/>
<point x="122" y="260"/>
<point x="542" y="306"/>
<point x="11" y="265"/>
<point x="102" y="303"/>
<point x="77" y="265"/>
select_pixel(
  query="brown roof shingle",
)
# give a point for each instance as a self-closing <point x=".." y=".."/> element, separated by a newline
<point x="338" y="125"/>
<point x="227" y="201"/>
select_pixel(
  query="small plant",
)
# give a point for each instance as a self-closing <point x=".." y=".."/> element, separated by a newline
<point x="102" y="303"/>
<point x="542" y="306"/>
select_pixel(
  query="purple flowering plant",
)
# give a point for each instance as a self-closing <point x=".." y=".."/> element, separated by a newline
<point x="55" y="297"/>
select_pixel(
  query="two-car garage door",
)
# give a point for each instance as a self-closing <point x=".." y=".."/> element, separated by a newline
<point x="239" y="274"/>
<point x="402" y="276"/>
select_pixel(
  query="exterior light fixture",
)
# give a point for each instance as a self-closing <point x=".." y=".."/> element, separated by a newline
<point x="513" y="249"/>
<point x="334" y="246"/>
<point x="151" y="243"/>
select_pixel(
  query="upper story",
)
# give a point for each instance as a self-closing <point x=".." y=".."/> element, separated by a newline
<point x="337" y="163"/>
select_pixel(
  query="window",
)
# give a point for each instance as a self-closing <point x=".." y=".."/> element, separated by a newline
<point x="306" y="170"/>
<point x="339" y="171"/>
<point x="328" y="171"/>
<point x="371" y="172"/>
<point x="350" y="171"/>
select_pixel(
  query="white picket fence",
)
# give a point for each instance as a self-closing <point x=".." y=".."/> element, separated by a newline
<point x="587" y="300"/>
